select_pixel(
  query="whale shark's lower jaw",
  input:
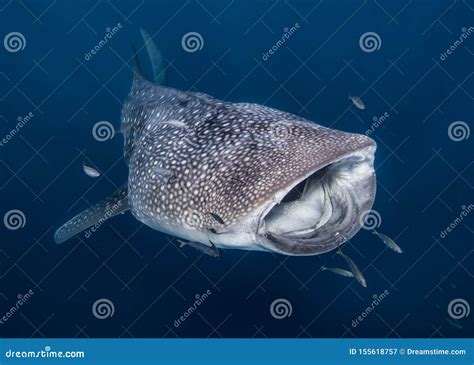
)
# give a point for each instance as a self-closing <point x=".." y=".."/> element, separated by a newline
<point x="322" y="210"/>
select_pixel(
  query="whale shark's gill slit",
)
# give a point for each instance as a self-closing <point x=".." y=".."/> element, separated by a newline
<point x="318" y="211"/>
<point x="97" y="214"/>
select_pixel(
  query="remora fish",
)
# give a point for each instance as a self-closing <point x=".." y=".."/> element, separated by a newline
<point x="208" y="250"/>
<point x="388" y="241"/>
<point x="338" y="271"/>
<point x="90" y="171"/>
<point x="175" y="123"/>
<point x="355" y="270"/>
<point x="357" y="102"/>
<point x="217" y="218"/>
<point x="453" y="322"/>
<point x="267" y="211"/>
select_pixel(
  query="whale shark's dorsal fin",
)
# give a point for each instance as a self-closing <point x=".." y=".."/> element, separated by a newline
<point x="156" y="58"/>
<point x="99" y="213"/>
<point x="137" y="68"/>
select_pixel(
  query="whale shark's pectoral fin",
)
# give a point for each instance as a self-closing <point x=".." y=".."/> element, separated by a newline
<point x="114" y="204"/>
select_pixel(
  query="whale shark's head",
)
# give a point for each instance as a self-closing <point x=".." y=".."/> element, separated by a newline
<point x="234" y="174"/>
<point x="244" y="175"/>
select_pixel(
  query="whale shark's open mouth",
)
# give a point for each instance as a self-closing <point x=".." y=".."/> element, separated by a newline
<point x="321" y="211"/>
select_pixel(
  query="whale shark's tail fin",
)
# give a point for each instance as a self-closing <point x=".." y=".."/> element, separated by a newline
<point x="97" y="214"/>
<point x="156" y="58"/>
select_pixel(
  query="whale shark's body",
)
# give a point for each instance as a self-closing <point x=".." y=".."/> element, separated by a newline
<point x="236" y="175"/>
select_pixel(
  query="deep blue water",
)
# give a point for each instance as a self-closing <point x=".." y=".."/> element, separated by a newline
<point x="424" y="176"/>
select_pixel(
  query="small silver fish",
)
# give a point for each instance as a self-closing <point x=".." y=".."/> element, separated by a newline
<point x="175" y="123"/>
<point x="208" y="250"/>
<point x="90" y="171"/>
<point x="388" y="241"/>
<point x="338" y="271"/>
<point x="162" y="171"/>
<point x="454" y="323"/>
<point x="355" y="270"/>
<point x="123" y="129"/>
<point x="217" y="218"/>
<point x="357" y="102"/>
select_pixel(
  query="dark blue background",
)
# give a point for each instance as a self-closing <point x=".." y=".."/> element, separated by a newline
<point x="423" y="176"/>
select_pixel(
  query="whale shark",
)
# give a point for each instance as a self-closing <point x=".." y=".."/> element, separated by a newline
<point x="232" y="175"/>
